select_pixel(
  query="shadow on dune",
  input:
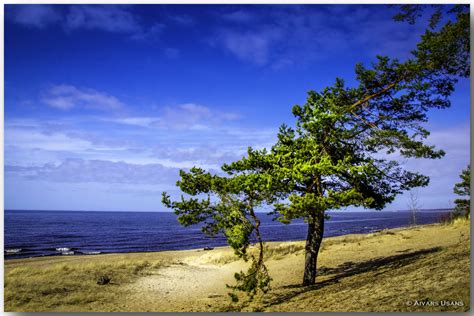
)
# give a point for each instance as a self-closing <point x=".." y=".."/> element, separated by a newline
<point x="347" y="269"/>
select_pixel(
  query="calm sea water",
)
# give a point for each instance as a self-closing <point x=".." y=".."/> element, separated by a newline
<point x="46" y="233"/>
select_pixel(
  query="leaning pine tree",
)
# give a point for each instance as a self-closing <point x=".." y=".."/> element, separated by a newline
<point x="339" y="154"/>
<point x="344" y="149"/>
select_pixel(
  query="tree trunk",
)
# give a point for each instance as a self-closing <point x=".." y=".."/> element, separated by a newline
<point x="258" y="235"/>
<point x="313" y="242"/>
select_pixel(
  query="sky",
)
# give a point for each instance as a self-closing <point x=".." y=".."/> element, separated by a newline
<point x="104" y="104"/>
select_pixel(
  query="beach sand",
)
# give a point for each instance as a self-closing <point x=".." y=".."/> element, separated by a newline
<point x="422" y="268"/>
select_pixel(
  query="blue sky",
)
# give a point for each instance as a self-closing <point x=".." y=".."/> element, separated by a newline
<point x="104" y="104"/>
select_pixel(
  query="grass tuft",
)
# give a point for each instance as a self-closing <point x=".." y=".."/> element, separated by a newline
<point x="74" y="282"/>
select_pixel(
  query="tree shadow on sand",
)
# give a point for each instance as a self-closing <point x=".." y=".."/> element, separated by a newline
<point x="347" y="269"/>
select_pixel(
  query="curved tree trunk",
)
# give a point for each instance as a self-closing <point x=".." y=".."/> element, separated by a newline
<point x="313" y="243"/>
<point x="258" y="235"/>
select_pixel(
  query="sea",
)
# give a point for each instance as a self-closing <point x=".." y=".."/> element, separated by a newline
<point x="59" y="233"/>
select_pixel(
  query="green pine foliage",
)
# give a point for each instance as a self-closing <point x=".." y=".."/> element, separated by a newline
<point x="445" y="47"/>
<point x="463" y="189"/>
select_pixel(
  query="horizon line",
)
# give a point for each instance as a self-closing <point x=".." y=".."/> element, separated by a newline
<point x="119" y="211"/>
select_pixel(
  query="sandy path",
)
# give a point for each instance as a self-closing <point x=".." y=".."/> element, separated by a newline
<point x="189" y="286"/>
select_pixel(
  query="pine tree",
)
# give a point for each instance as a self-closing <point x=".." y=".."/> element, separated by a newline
<point x="331" y="160"/>
<point x="463" y="189"/>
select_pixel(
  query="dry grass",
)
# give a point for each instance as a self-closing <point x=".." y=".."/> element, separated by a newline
<point x="278" y="251"/>
<point x="67" y="283"/>
<point x="273" y="251"/>
<point x="461" y="220"/>
<point x="391" y="270"/>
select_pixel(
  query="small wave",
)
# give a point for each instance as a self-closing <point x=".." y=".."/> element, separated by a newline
<point x="359" y="220"/>
<point x="64" y="249"/>
<point x="91" y="252"/>
<point x="13" y="251"/>
<point x="67" y="253"/>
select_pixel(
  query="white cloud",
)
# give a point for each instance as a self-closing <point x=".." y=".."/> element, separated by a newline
<point x="194" y="109"/>
<point x="288" y="36"/>
<point x="149" y="33"/>
<point x="253" y="46"/>
<point x="207" y="139"/>
<point x="195" y="116"/>
<point x="29" y="143"/>
<point x="136" y="121"/>
<point x="444" y="172"/>
<point x="239" y="16"/>
<point x="184" y="20"/>
<point x="102" y="17"/>
<point x="39" y="16"/>
<point x="204" y="155"/>
<point x="106" y="18"/>
<point x="171" y="53"/>
<point x="454" y="140"/>
<point x="98" y="171"/>
<point x="186" y="116"/>
<point x="30" y="139"/>
<point x="66" y="97"/>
